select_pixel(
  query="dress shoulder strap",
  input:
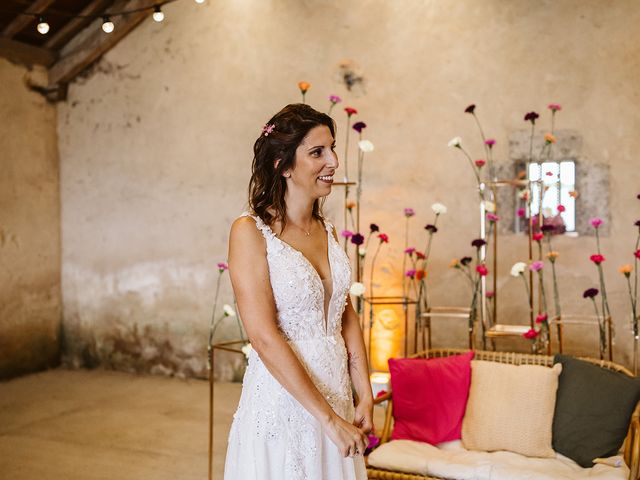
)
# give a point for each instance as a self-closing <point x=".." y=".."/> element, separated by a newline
<point x="260" y="225"/>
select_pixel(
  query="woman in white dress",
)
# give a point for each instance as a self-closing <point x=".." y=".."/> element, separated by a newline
<point x="297" y="418"/>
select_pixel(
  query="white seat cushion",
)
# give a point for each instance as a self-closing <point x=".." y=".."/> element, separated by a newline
<point x="452" y="460"/>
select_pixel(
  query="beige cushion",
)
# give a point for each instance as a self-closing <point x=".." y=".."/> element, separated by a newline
<point x="511" y="408"/>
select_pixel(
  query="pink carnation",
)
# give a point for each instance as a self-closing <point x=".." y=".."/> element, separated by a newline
<point x="596" y="222"/>
<point x="346" y="233"/>
<point x="543" y="317"/>
<point x="530" y="334"/>
<point x="536" y="266"/>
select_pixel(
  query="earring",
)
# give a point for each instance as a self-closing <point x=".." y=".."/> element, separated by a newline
<point x="287" y="175"/>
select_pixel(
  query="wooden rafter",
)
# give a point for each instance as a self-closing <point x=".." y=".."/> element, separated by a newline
<point x="26" y="54"/>
<point x="59" y="38"/>
<point x="90" y="44"/>
<point x="21" y="21"/>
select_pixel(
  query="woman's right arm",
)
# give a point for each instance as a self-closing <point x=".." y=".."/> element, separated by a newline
<point x="249" y="274"/>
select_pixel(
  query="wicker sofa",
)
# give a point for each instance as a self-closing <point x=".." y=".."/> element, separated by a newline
<point x="631" y="445"/>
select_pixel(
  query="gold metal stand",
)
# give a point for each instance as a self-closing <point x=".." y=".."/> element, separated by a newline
<point x="444" y="312"/>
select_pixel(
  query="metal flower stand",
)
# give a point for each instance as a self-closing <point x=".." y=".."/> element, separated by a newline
<point x="589" y="320"/>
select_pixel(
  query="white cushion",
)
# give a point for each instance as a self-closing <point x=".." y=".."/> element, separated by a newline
<point x="511" y="407"/>
<point x="452" y="460"/>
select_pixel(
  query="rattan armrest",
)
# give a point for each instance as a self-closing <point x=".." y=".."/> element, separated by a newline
<point x="386" y="429"/>
<point x="632" y="445"/>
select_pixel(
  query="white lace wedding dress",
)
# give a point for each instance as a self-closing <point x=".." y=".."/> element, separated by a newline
<point x="272" y="436"/>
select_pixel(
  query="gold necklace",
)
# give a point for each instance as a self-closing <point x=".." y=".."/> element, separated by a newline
<point x="306" y="232"/>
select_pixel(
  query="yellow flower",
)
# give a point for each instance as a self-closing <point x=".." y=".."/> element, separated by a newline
<point x="549" y="138"/>
<point x="304" y="86"/>
<point x="626" y="270"/>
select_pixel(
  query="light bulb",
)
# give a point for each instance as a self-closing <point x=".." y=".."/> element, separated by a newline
<point x="158" y="16"/>
<point x="107" y="25"/>
<point x="200" y="2"/>
<point x="43" y="27"/>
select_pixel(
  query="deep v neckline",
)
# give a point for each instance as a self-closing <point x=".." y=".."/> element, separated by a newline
<point x="326" y="313"/>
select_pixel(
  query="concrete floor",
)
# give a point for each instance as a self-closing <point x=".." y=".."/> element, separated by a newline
<point x="104" y="425"/>
<point x="97" y="424"/>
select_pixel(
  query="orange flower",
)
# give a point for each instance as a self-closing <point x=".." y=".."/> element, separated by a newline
<point x="573" y="194"/>
<point x="626" y="270"/>
<point x="549" y="138"/>
<point x="350" y="205"/>
<point x="304" y="86"/>
<point x="420" y="274"/>
<point x="455" y="263"/>
<point x="553" y="255"/>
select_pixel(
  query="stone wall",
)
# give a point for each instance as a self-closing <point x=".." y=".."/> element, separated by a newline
<point x="30" y="299"/>
<point x="156" y="148"/>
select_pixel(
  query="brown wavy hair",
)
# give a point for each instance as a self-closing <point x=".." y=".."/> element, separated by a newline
<point x="267" y="186"/>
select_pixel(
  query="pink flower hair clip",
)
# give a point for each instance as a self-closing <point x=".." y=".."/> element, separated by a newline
<point x="268" y="128"/>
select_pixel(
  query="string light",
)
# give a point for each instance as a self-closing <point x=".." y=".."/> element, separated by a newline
<point x="200" y="2"/>
<point x="158" y="16"/>
<point x="107" y="24"/>
<point x="43" y="27"/>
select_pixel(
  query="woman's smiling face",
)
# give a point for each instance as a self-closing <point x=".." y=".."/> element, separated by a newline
<point x="315" y="164"/>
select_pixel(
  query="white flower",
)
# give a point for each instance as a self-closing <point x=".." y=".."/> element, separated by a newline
<point x="455" y="142"/>
<point x="357" y="289"/>
<point x="246" y="349"/>
<point x="228" y="311"/>
<point x="438" y="208"/>
<point x="366" y="146"/>
<point x="362" y="251"/>
<point x="518" y="269"/>
<point x="489" y="206"/>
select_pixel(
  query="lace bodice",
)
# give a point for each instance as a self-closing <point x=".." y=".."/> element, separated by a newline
<point x="298" y="290"/>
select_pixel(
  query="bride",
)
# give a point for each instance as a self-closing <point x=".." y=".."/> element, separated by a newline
<point x="296" y="418"/>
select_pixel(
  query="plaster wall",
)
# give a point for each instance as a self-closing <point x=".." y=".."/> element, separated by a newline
<point x="30" y="297"/>
<point x="156" y="147"/>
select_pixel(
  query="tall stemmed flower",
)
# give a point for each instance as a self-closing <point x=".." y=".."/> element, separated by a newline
<point x="542" y="318"/>
<point x="479" y="272"/>
<point x="598" y="259"/>
<point x="591" y="293"/>
<point x="408" y="213"/>
<point x="486" y="142"/>
<point x="364" y="146"/>
<point x="431" y="228"/>
<point x="350" y="111"/>
<point x="222" y="267"/>
<point x="333" y="101"/>
<point x="304" y="87"/>
<point x="384" y="238"/>
<point x="456" y="142"/>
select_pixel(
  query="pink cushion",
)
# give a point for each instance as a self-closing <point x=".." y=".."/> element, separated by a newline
<point x="429" y="397"/>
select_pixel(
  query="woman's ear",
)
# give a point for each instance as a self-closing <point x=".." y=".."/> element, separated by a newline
<point x="285" y="174"/>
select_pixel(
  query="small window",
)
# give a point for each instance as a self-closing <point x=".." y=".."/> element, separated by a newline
<point x="559" y="180"/>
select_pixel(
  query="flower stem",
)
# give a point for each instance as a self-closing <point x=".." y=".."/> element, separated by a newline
<point x="373" y="263"/>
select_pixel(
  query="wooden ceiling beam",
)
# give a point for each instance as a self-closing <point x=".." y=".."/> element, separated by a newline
<point x="60" y="37"/>
<point x="91" y="43"/>
<point x="21" y="21"/>
<point x="25" y="54"/>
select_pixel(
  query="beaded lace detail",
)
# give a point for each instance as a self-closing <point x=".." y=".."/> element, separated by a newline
<point x="270" y="427"/>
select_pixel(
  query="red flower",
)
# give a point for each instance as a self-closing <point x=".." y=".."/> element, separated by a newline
<point x="530" y="334"/>
<point x="381" y="393"/>
<point x="542" y="318"/>
<point x="480" y="163"/>
<point x="637" y="253"/>
<point x="420" y="255"/>
<point x="350" y="111"/>
<point x="482" y="270"/>
<point x="597" y="259"/>
<point x="561" y="208"/>
<point x="420" y="274"/>
<point x="384" y="238"/>
<point x="538" y="236"/>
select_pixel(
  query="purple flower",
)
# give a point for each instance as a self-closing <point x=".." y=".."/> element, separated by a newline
<point x="431" y="228"/>
<point x="490" y="142"/>
<point x="374" y="228"/>
<point x="531" y="117"/>
<point x="536" y="266"/>
<point x="222" y="266"/>
<point x="357" y="239"/>
<point x="346" y="233"/>
<point x="590" y="293"/>
<point x="478" y="243"/>
<point x="359" y="126"/>
<point x="410" y="273"/>
<point x="470" y="109"/>
<point x="409" y="250"/>
<point x="596" y="222"/>
<point x="373" y="443"/>
<point x="520" y="212"/>
<point x="637" y="224"/>
<point x="409" y="212"/>
<point x="334" y="99"/>
<point x="548" y="228"/>
<point x="492" y="217"/>
<point x="465" y="260"/>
